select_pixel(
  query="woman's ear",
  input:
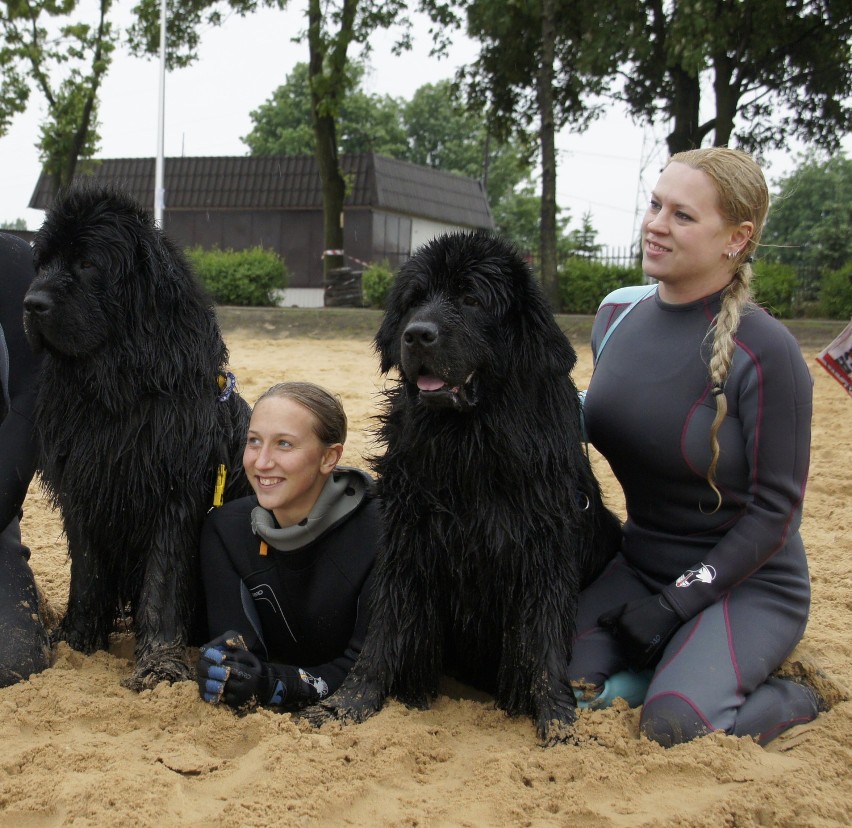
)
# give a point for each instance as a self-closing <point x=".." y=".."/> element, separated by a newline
<point x="331" y="457"/>
<point x="741" y="235"/>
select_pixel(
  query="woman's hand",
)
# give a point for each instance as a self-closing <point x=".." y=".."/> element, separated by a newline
<point x="229" y="672"/>
<point x="643" y="628"/>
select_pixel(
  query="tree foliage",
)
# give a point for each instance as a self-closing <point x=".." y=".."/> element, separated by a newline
<point x="46" y="49"/>
<point x="540" y="63"/>
<point x="366" y="123"/>
<point x="810" y="222"/>
<point x="772" y="70"/>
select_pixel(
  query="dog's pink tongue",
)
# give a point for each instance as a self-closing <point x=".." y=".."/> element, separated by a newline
<point x="426" y="382"/>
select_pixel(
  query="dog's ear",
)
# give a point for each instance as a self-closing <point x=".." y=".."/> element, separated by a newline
<point x="387" y="340"/>
<point x="540" y="344"/>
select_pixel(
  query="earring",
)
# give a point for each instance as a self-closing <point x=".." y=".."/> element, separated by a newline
<point x="730" y="255"/>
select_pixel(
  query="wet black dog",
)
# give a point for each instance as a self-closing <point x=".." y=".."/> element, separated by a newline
<point x="493" y="518"/>
<point x="135" y="415"/>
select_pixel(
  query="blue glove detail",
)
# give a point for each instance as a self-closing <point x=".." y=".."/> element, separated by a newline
<point x="212" y="673"/>
<point x="218" y="673"/>
<point x="228" y="672"/>
<point x="213" y="654"/>
<point x="279" y="693"/>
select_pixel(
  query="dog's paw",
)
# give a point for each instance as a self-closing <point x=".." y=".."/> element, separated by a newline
<point x="167" y="663"/>
<point x="350" y="704"/>
<point x="555" y="725"/>
<point x="317" y="715"/>
<point x="77" y="638"/>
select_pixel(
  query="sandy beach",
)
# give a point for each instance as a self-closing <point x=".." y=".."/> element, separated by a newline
<point x="82" y="750"/>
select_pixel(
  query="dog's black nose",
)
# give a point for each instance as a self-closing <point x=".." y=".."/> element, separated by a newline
<point x="424" y="334"/>
<point x="37" y="303"/>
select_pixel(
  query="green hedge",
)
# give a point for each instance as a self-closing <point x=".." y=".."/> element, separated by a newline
<point x="775" y="286"/>
<point x="375" y="284"/>
<point x="836" y="293"/>
<point x="240" y="277"/>
<point x="583" y="283"/>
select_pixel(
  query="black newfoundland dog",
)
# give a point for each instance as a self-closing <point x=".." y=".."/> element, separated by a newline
<point x="493" y="518"/>
<point x="136" y="414"/>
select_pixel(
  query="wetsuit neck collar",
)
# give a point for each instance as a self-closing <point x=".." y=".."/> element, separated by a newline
<point x="343" y="492"/>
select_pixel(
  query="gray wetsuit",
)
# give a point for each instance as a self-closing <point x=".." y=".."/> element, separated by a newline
<point x="737" y="576"/>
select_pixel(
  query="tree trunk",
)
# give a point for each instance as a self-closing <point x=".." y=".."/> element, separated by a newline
<point x="685" y="104"/>
<point x="727" y="98"/>
<point x="333" y="191"/>
<point x="325" y="92"/>
<point x="547" y="137"/>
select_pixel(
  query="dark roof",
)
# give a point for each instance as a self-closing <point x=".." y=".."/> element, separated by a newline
<point x="292" y="182"/>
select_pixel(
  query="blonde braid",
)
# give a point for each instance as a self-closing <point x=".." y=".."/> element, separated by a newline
<point x="734" y="299"/>
<point x="743" y="196"/>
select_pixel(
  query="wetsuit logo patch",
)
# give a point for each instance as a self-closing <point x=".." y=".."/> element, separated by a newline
<point x="705" y="574"/>
<point x="317" y="682"/>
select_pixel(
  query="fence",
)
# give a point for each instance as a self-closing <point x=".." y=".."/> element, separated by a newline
<point x="628" y="256"/>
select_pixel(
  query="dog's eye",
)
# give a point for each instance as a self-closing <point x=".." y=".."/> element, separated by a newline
<point x="86" y="264"/>
<point x="470" y="301"/>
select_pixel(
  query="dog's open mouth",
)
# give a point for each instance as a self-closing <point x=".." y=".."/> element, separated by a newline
<point x="437" y="391"/>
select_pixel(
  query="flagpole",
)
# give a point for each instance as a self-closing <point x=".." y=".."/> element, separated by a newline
<point x="159" y="188"/>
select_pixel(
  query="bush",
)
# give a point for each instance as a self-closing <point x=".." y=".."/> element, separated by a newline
<point x="240" y="277"/>
<point x="836" y="293"/>
<point x="583" y="282"/>
<point x="375" y="284"/>
<point x="775" y="287"/>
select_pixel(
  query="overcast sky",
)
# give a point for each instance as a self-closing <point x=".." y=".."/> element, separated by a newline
<point x="608" y="170"/>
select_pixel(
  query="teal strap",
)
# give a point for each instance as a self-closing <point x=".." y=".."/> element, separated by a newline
<point x="635" y="294"/>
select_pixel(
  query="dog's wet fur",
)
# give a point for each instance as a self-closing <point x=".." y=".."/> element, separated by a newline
<point x="130" y="426"/>
<point x="493" y="518"/>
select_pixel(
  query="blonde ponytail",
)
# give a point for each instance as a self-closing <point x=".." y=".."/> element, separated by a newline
<point x="743" y="196"/>
<point x="735" y="297"/>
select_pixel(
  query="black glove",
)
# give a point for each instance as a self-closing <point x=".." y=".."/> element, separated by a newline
<point x="643" y="628"/>
<point x="228" y="672"/>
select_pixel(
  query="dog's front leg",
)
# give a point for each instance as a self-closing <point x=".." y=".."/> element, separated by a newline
<point x="533" y="674"/>
<point x="162" y="611"/>
<point x="91" y="600"/>
<point x="554" y="702"/>
<point x="401" y="651"/>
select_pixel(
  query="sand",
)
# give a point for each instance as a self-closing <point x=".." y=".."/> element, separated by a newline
<point x="82" y="750"/>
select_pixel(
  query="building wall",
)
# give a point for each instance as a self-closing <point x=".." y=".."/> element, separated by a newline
<point x="424" y="230"/>
<point x="298" y="237"/>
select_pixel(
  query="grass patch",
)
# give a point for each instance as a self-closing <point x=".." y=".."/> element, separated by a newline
<point x="362" y="323"/>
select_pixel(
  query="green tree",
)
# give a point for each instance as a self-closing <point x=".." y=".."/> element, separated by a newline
<point x="582" y="241"/>
<point x="443" y="133"/>
<point x="367" y="123"/>
<point x="517" y="216"/>
<point x="65" y="60"/>
<point x="774" y="70"/>
<point x="810" y="222"/>
<point x="540" y="63"/>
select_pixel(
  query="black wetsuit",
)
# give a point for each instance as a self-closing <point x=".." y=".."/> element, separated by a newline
<point x="736" y="576"/>
<point x="23" y="641"/>
<point x="305" y="604"/>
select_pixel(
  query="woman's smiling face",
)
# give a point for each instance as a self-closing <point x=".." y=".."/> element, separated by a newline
<point x="685" y="238"/>
<point x="286" y="463"/>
